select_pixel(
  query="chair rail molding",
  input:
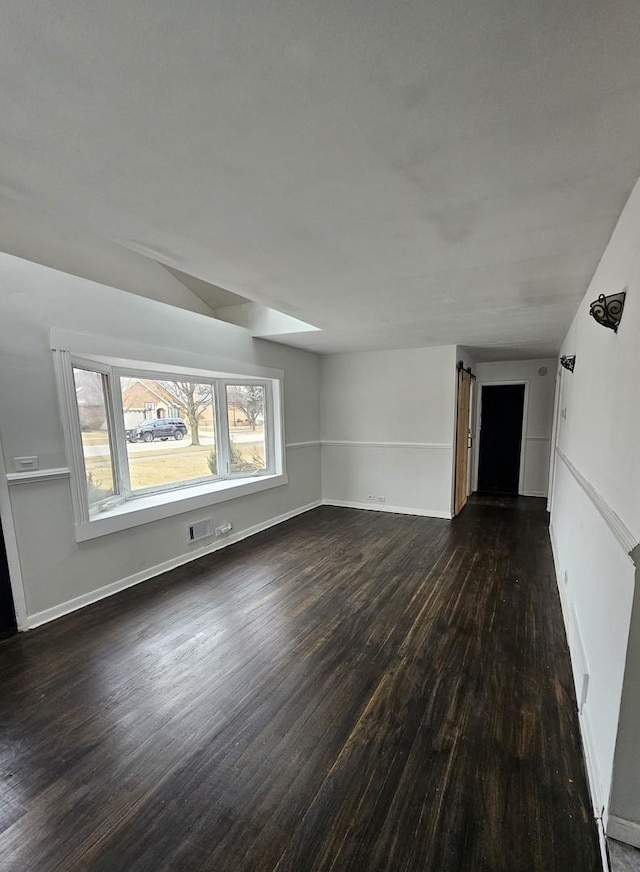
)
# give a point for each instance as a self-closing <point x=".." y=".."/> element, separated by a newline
<point x="622" y="533"/>
<point x="37" y="475"/>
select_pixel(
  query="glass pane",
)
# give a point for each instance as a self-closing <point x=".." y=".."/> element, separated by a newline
<point x="246" y="410"/>
<point x="170" y="430"/>
<point x="94" y="429"/>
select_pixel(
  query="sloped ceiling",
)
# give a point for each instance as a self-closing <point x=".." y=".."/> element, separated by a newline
<point x="397" y="174"/>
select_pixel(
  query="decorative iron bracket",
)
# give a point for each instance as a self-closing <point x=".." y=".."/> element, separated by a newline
<point x="608" y="310"/>
<point x="568" y="361"/>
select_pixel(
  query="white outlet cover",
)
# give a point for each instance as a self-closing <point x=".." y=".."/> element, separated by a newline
<point x="26" y="464"/>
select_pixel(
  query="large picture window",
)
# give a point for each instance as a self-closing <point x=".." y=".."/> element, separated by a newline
<point x="178" y="444"/>
<point x="139" y="432"/>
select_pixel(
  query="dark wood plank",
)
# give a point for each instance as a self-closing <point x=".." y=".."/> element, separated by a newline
<point x="350" y="691"/>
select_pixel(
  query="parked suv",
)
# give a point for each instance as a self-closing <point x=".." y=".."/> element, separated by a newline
<point x="158" y="428"/>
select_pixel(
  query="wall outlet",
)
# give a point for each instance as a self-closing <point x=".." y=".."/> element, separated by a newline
<point x="381" y="499"/>
<point x="371" y="498"/>
<point x="26" y="464"/>
<point x="227" y="527"/>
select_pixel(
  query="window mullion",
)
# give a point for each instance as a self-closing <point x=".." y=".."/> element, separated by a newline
<point x="223" y="418"/>
<point x="73" y="438"/>
<point x="119" y="437"/>
<point x="269" y="446"/>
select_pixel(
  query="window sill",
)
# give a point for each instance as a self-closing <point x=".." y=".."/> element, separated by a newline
<point x="155" y="507"/>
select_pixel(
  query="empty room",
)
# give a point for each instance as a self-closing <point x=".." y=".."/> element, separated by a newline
<point x="319" y="467"/>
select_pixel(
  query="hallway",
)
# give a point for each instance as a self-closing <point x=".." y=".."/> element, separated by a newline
<point x="350" y="690"/>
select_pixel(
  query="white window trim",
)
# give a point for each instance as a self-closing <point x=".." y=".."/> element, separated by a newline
<point x="117" y="513"/>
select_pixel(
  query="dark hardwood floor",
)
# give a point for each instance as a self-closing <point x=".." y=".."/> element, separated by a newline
<point x="348" y="691"/>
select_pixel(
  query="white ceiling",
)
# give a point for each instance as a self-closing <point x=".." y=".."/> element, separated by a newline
<point x="396" y="173"/>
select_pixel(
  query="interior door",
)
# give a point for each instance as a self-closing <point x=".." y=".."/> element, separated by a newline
<point x="463" y="438"/>
<point x="500" y="438"/>
<point x="7" y="613"/>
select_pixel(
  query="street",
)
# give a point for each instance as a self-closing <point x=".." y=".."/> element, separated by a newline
<point x="171" y="443"/>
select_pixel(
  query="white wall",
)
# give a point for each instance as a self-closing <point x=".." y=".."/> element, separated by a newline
<point x="55" y="569"/>
<point x="596" y="599"/>
<point x="595" y="516"/>
<point x="624" y="820"/>
<point x="539" y="415"/>
<point x="53" y="242"/>
<point x="387" y="421"/>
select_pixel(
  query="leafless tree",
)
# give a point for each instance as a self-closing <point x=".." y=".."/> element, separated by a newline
<point x="249" y="399"/>
<point x="192" y="398"/>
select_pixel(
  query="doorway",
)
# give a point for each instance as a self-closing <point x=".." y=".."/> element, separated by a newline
<point x="7" y="613"/>
<point x="500" y="449"/>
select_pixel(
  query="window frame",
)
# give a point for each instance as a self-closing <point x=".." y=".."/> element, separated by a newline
<point x="78" y="362"/>
<point x="268" y="425"/>
<point x="220" y="486"/>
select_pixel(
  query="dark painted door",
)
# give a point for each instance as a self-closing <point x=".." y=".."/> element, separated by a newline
<point x="7" y="614"/>
<point x="500" y="438"/>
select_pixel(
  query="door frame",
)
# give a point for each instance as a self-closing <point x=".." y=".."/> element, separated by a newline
<point x="555" y="436"/>
<point x="478" y="427"/>
<point x="11" y="547"/>
<point x="470" y="431"/>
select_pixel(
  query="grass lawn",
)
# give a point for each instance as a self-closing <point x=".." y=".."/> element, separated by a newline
<point x="166" y="466"/>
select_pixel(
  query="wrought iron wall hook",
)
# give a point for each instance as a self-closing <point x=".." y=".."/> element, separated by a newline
<point x="568" y="361"/>
<point x="608" y="310"/>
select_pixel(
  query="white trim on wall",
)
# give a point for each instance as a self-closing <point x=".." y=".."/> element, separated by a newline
<point x="312" y="444"/>
<point x="354" y="444"/>
<point x="555" y="435"/>
<point x="383" y="507"/>
<point x="38" y="475"/>
<point x="622" y="533"/>
<point x="55" y="473"/>
<point x="100" y="593"/>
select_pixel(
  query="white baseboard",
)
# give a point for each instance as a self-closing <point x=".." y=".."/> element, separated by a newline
<point x="602" y="844"/>
<point x="588" y="744"/>
<point x="383" y="507"/>
<point x="93" y="596"/>
<point x="623" y="830"/>
<point x="526" y="493"/>
<point x="593" y="767"/>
